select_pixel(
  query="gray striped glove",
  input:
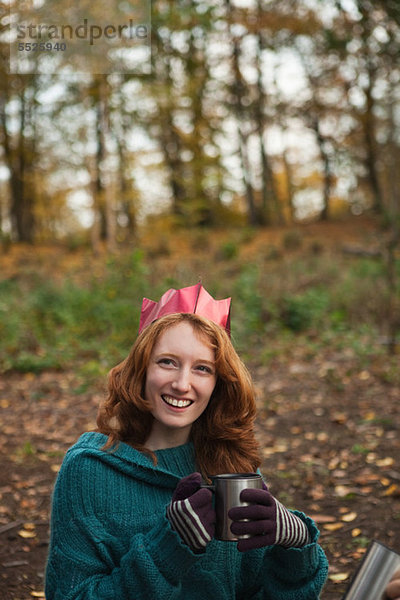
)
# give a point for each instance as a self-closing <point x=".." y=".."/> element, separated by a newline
<point x="191" y="513"/>
<point x="268" y="522"/>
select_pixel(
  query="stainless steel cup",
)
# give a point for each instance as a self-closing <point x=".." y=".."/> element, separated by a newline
<point x="227" y="488"/>
<point x="374" y="573"/>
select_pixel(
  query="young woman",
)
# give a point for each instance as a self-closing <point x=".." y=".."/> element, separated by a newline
<point x="130" y="519"/>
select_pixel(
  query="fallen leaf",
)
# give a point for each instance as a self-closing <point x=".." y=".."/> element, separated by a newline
<point x="370" y="415"/>
<point x="393" y="489"/>
<point x="367" y="477"/>
<point x="338" y="577"/>
<point x="295" y="430"/>
<point x="339" y="417"/>
<point x="322" y="518"/>
<point x="364" y="375"/>
<point x="37" y="594"/>
<point x="26" y="534"/>
<point x="343" y="490"/>
<point x="333" y="526"/>
<point x="355" y="532"/>
<point x="385" y="462"/>
<point x="349" y="517"/>
<point x="367" y="490"/>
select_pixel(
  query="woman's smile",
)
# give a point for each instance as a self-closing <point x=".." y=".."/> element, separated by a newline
<point x="176" y="402"/>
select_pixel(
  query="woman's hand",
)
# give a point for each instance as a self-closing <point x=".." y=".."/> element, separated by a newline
<point x="191" y="513"/>
<point x="267" y="521"/>
<point x="393" y="587"/>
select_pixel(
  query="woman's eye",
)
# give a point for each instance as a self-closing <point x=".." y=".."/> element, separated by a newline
<point x="166" y="361"/>
<point x="205" y="369"/>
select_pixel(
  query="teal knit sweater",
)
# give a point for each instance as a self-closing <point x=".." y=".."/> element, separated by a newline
<point x="111" y="540"/>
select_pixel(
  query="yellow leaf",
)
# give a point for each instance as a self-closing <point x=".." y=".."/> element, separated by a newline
<point x="385" y="462"/>
<point x="349" y="517"/>
<point x="38" y="594"/>
<point x="338" y="577"/>
<point x="26" y="534"/>
<point x="391" y="490"/>
<point x="364" y="375"/>
<point x="29" y="526"/>
<point x="4" y="403"/>
<point x="370" y="415"/>
<point x="333" y="526"/>
<point x="55" y="468"/>
<point x="355" y="532"/>
<point x="341" y="491"/>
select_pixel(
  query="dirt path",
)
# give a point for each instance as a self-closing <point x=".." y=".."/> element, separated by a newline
<point x="329" y="430"/>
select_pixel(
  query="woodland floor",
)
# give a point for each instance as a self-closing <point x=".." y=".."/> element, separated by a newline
<point x="330" y="435"/>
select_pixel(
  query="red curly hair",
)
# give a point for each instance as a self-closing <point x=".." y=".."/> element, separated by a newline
<point x="223" y="435"/>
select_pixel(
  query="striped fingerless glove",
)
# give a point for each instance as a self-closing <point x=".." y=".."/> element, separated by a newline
<point x="291" y="531"/>
<point x="191" y="513"/>
<point x="268" y="522"/>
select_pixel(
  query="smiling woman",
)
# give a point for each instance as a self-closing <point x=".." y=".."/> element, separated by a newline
<point x="131" y="517"/>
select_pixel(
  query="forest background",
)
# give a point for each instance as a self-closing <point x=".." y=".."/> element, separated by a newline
<point x="260" y="154"/>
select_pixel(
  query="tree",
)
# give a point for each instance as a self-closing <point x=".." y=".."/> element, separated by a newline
<point x="18" y="129"/>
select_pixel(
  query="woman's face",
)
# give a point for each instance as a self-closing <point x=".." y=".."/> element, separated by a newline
<point x="180" y="379"/>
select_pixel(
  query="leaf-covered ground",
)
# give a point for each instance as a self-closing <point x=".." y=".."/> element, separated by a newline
<point x="329" y="429"/>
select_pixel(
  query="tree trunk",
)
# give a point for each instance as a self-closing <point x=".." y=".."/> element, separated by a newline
<point x="19" y="161"/>
<point x="289" y="186"/>
<point x="238" y="110"/>
<point x="326" y="161"/>
<point x="104" y="198"/>
<point x="270" y="208"/>
<point x="370" y="145"/>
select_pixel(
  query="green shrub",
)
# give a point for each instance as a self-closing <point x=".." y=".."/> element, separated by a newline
<point x="54" y="325"/>
<point x="228" y="251"/>
<point x="300" y="312"/>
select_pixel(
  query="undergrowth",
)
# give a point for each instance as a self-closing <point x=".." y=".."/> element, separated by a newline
<point x="89" y="322"/>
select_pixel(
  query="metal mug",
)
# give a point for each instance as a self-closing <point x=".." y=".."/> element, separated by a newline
<point x="374" y="573"/>
<point x="227" y="488"/>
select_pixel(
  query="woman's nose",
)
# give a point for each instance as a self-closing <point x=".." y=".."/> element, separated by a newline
<point x="181" y="382"/>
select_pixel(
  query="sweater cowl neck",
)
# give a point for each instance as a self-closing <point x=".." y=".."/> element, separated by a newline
<point x="172" y="463"/>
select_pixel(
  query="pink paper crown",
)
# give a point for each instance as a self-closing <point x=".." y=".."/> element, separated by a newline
<point x="193" y="299"/>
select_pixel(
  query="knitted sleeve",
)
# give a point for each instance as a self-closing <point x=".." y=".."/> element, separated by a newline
<point x="87" y="562"/>
<point x="290" y="573"/>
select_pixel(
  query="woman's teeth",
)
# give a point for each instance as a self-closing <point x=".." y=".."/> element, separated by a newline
<point x="175" y="402"/>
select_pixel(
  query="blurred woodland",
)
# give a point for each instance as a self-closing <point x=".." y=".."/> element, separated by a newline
<point x="261" y="112"/>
